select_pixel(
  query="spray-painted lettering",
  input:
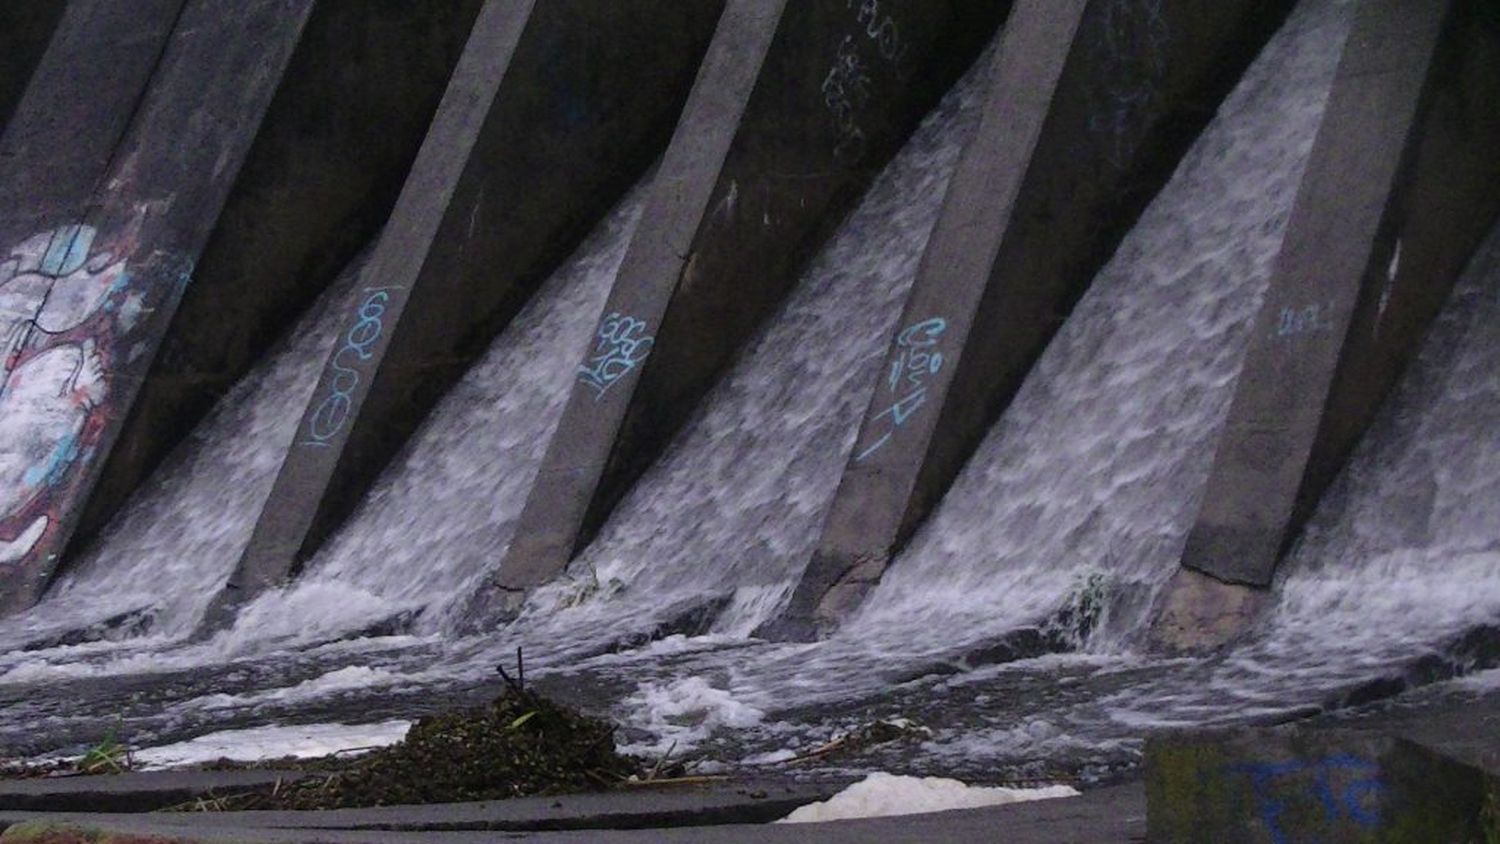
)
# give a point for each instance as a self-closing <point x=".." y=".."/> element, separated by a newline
<point x="332" y="413"/>
<point x="620" y="346"/>
<point x="1313" y="319"/>
<point x="848" y="86"/>
<point x="914" y="362"/>
<point x="1347" y="788"/>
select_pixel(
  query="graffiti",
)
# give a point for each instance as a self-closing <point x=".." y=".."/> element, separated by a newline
<point x="914" y="363"/>
<point x="881" y="29"/>
<point x="1312" y="319"/>
<point x="846" y="92"/>
<point x="64" y="301"/>
<point x="847" y="87"/>
<point x="1346" y="787"/>
<point x="621" y="345"/>
<point x="332" y="413"/>
<point x="1130" y="40"/>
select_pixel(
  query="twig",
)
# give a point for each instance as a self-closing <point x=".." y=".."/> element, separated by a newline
<point x="662" y="761"/>
<point x="696" y="780"/>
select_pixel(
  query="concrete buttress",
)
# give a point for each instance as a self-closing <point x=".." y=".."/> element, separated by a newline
<point x="556" y="107"/>
<point x="115" y="167"/>
<point x="1091" y="105"/>
<point x="1402" y="184"/>
<point x="797" y="107"/>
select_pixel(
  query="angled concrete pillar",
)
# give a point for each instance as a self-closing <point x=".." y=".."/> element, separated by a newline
<point x="1091" y="104"/>
<point x="90" y="283"/>
<point x="556" y="108"/>
<point x="797" y="106"/>
<point x="26" y="27"/>
<point x="1403" y="182"/>
<point x="326" y="166"/>
<point x="76" y="107"/>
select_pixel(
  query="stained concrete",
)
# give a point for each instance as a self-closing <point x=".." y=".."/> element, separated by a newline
<point x="129" y="235"/>
<point x="76" y="107"/>
<point x="320" y="179"/>
<point x="1091" y="105"/>
<point x="554" y="110"/>
<point x="1402" y="184"/>
<point x="26" y="27"/>
<point x="797" y="107"/>
<point x="130" y="792"/>
<point x="1377" y="783"/>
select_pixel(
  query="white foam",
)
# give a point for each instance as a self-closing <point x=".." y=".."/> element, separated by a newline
<point x="886" y="795"/>
<point x="682" y="713"/>
<point x="309" y="740"/>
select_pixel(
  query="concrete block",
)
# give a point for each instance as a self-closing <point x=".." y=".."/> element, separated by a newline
<point x="1091" y="105"/>
<point x="1292" y="785"/>
<point x="796" y="109"/>
<point x="554" y="110"/>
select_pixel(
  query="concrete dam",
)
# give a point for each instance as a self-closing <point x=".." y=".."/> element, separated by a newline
<point x="1048" y="372"/>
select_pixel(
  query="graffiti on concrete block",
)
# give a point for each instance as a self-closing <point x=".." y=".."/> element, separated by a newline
<point x="1346" y="789"/>
<point x="915" y="361"/>
<point x="1130" y="41"/>
<point x="881" y="28"/>
<point x="620" y="346"/>
<point x="67" y="300"/>
<point x="846" y="93"/>
<point x="1313" y="319"/>
<point x="847" y="87"/>
<point x="331" y="414"/>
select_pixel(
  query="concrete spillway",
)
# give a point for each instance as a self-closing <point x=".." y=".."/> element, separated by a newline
<point x="623" y="449"/>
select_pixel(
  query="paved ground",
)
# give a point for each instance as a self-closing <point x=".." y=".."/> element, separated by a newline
<point x="1108" y="816"/>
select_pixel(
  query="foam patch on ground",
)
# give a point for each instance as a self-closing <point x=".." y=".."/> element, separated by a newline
<point x="309" y="740"/>
<point x="884" y="795"/>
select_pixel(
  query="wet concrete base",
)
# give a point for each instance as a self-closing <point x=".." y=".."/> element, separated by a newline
<point x="700" y="815"/>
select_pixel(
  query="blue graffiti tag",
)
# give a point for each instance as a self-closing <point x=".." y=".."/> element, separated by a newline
<point x="620" y="346"/>
<point x="332" y="413"/>
<point x="914" y="363"/>
<point x="1358" y="800"/>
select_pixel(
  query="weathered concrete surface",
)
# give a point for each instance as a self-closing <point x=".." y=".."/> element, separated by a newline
<point x="639" y="808"/>
<point x="797" y="107"/>
<point x="133" y="792"/>
<point x="554" y="110"/>
<point x="1297" y="784"/>
<point x="1107" y="816"/>
<point x="1091" y="104"/>
<point x="325" y="169"/>
<point x="1402" y="185"/>
<point x="77" y="106"/>
<point x="88" y="294"/>
<point x="26" y="27"/>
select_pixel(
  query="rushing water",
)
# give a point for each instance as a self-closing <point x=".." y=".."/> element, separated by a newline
<point x="1088" y="484"/>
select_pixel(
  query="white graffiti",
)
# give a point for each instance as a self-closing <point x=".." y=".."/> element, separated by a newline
<point x="54" y="376"/>
<point x="620" y="346"/>
<point x="882" y="29"/>
<point x="848" y="86"/>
